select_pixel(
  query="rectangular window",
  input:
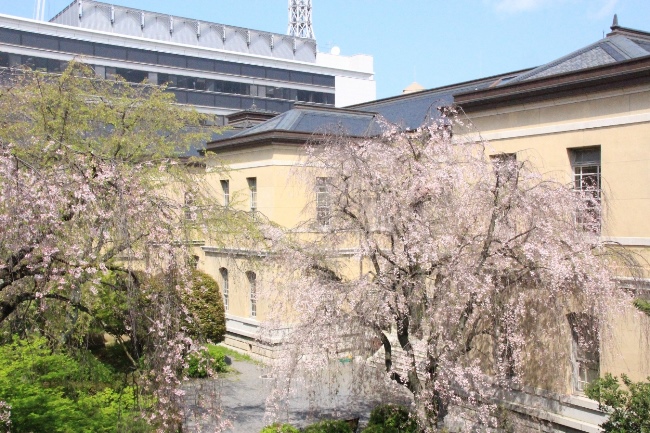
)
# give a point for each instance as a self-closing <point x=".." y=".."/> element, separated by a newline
<point x="188" y="206"/>
<point x="505" y="168"/>
<point x="224" y="284"/>
<point x="252" y="187"/>
<point x="585" y="353"/>
<point x="225" y="187"/>
<point x="585" y="164"/>
<point x="252" y="283"/>
<point x="322" y="200"/>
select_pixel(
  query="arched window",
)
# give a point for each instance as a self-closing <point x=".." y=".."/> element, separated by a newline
<point x="224" y="286"/>
<point x="252" y="283"/>
<point x="585" y="348"/>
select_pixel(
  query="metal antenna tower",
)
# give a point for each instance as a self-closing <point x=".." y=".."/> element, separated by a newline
<point x="300" y="19"/>
<point x="39" y="10"/>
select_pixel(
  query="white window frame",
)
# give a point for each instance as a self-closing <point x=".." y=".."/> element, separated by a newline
<point x="225" y="187"/>
<point x="252" y="285"/>
<point x="585" y="355"/>
<point x="252" y="187"/>
<point x="587" y="180"/>
<point x="323" y="201"/>
<point x="225" y="286"/>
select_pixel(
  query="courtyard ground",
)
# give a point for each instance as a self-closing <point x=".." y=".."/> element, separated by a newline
<point x="243" y="394"/>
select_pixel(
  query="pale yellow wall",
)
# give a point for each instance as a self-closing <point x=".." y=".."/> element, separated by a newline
<point x="618" y="122"/>
<point x="282" y="196"/>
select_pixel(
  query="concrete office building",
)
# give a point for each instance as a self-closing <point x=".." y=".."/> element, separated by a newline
<point x="217" y="68"/>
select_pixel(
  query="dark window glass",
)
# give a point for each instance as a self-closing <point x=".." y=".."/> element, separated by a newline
<point x="318" y="97"/>
<point x="183" y="82"/>
<point x="200" y="83"/>
<point x="181" y="96"/>
<point x="4" y="60"/>
<point x="304" y="96"/>
<point x="291" y="94"/>
<point x="200" y="64"/>
<point x="228" y="101"/>
<point x="110" y="52"/>
<point x="227" y="67"/>
<point x="36" y="63"/>
<point x="330" y="99"/>
<point x="198" y="98"/>
<point x="76" y="47"/>
<point x="40" y="41"/>
<point x="142" y="56"/>
<point x="168" y="79"/>
<point x="273" y="92"/>
<point x="278" y="74"/>
<point x="278" y="106"/>
<point x="132" y="76"/>
<point x="56" y="65"/>
<point x="247" y="103"/>
<point x="252" y="71"/>
<point x="9" y="36"/>
<point x="301" y="77"/>
<point x="172" y="60"/>
<point x="323" y="80"/>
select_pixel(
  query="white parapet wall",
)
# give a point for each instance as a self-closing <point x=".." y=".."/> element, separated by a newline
<point x="355" y="77"/>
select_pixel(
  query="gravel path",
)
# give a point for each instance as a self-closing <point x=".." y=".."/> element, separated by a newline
<point x="243" y="398"/>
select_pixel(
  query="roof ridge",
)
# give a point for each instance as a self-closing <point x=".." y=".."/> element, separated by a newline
<point x="555" y="62"/>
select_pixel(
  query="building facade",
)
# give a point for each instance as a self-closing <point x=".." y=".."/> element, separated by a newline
<point x="583" y="119"/>
<point x="217" y="68"/>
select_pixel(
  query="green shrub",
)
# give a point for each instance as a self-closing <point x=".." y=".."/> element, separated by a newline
<point x="206" y="305"/>
<point x="200" y="363"/>
<point x="54" y="392"/>
<point x="628" y="409"/>
<point x="329" y="426"/>
<point x="280" y="428"/>
<point x="390" y="418"/>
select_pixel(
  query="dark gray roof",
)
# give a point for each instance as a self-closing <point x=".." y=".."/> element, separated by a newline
<point x="411" y="110"/>
<point x="620" y="45"/>
<point x="303" y="118"/>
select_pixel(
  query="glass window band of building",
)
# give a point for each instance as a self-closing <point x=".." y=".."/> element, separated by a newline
<point x="56" y="43"/>
<point x="197" y="95"/>
<point x="245" y="89"/>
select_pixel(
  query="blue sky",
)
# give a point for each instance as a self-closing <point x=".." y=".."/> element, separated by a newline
<point x="433" y="42"/>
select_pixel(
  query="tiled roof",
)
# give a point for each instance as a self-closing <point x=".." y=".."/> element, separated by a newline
<point x="311" y="120"/>
<point x="620" y="45"/>
<point x="412" y="110"/>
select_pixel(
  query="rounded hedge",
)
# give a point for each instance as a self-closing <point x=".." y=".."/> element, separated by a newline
<point x="329" y="426"/>
<point x="280" y="428"/>
<point x="391" y="418"/>
<point x="206" y="305"/>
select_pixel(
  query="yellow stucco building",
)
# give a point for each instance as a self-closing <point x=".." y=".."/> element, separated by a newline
<point x="583" y="119"/>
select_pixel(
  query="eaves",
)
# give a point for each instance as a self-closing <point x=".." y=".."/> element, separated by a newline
<point x="602" y="78"/>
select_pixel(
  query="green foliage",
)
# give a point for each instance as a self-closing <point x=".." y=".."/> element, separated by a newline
<point x="118" y="120"/>
<point x="237" y="356"/>
<point x="200" y="364"/>
<point x="206" y="305"/>
<point x="642" y="305"/>
<point x="280" y="428"/>
<point x="390" y="418"/>
<point x="54" y="392"/>
<point x="329" y="426"/>
<point x="628" y="409"/>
